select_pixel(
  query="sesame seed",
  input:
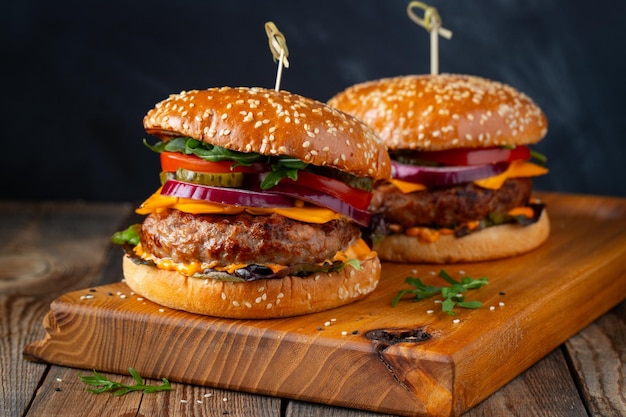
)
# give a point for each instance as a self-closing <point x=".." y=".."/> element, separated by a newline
<point x="456" y="321"/>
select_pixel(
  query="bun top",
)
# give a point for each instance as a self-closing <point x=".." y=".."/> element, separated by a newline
<point x="445" y="111"/>
<point x="272" y="122"/>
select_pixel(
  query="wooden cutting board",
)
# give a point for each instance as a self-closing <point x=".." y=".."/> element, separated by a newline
<point x="405" y="360"/>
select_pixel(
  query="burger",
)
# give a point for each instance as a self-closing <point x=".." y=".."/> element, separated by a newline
<point x="462" y="167"/>
<point x="262" y="207"/>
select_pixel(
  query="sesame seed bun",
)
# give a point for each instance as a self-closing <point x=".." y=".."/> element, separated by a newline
<point x="272" y="122"/>
<point x="445" y="111"/>
<point x="262" y="299"/>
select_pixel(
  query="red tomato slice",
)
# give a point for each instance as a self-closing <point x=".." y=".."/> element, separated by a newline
<point x="475" y="156"/>
<point x="171" y="161"/>
<point x="338" y="189"/>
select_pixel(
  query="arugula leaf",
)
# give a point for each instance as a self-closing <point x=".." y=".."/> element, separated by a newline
<point x="453" y="294"/>
<point x="102" y="384"/>
<point x="130" y="236"/>
<point x="539" y="157"/>
<point x="206" y="151"/>
<point x="283" y="168"/>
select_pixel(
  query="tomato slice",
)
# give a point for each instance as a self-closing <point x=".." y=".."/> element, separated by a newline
<point x="171" y="161"/>
<point x="475" y="156"/>
<point x="338" y="189"/>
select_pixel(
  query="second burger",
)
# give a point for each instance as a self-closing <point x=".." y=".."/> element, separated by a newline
<point x="462" y="166"/>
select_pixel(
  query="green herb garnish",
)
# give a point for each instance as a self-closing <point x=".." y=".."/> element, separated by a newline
<point x="453" y="294"/>
<point x="103" y="384"/>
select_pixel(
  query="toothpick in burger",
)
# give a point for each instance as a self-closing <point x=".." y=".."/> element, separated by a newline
<point x="263" y="202"/>
<point x="461" y="187"/>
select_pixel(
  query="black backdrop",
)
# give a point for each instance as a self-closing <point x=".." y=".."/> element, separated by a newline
<point x="78" y="76"/>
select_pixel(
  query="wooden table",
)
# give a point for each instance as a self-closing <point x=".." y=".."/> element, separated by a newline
<point x="49" y="249"/>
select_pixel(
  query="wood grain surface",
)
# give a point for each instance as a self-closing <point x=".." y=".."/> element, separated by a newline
<point x="539" y="300"/>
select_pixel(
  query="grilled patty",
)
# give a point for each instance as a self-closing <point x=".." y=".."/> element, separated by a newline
<point x="243" y="238"/>
<point x="448" y="206"/>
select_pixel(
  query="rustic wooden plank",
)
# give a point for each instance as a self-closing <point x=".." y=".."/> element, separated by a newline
<point x="47" y="249"/>
<point x="20" y="325"/>
<point x="326" y="365"/>
<point x="63" y="394"/>
<point x="544" y="390"/>
<point x="598" y="356"/>
<point x="304" y="409"/>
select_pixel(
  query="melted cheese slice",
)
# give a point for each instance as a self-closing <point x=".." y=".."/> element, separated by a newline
<point x="157" y="202"/>
<point x="517" y="169"/>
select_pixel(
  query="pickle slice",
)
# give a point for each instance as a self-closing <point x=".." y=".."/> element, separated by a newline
<point x="228" y="179"/>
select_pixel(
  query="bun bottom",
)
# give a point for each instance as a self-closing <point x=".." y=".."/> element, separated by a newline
<point x="491" y="243"/>
<point x="261" y="299"/>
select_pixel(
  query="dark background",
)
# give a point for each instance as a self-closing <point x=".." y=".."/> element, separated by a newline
<point x="78" y="76"/>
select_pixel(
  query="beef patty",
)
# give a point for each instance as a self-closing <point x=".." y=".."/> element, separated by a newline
<point x="243" y="238"/>
<point x="448" y="206"/>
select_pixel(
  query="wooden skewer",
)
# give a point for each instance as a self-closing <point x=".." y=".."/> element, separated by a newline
<point x="432" y="23"/>
<point x="278" y="47"/>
